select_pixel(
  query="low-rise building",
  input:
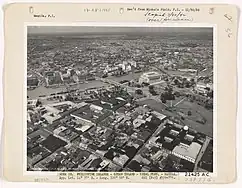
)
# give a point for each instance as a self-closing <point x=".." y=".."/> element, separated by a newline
<point x="88" y="114"/>
<point x="187" y="152"/>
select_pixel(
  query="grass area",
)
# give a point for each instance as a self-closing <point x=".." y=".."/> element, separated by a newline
<point x="196" y="109"/>
<point x="190" y="121"/>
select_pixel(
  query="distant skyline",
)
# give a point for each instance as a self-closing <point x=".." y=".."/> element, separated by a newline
<point x="116" y="30"/>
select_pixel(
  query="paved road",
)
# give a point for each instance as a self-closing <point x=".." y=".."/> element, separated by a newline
<point x="199" y="157"/>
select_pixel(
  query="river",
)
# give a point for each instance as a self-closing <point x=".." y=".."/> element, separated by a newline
<point x="35" y="93"/>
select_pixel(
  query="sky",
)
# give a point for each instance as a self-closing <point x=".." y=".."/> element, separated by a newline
<point x="96" y="30"/>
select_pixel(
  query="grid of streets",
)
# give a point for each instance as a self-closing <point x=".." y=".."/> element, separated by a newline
<point x="120" y="102"/>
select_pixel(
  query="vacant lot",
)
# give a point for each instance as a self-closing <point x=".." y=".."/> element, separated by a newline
<point x="197" y="109"/>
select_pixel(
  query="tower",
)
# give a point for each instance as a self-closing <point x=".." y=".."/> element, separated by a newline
<point x="185" y="128"/>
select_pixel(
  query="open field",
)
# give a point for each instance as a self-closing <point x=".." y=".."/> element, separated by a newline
<point x="195" y="108"/>
<point x="206" y="128"/>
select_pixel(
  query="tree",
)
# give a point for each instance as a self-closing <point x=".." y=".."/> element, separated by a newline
<point x="209" y="105"/>
<point x="38" y="103"/>
<point x="177" y="94"/>
<point x="138" y="86"/>
<point x="176" y="81"/>
<point x="187" y="84"/>
<point x="210" y="94"/>
<point x="152" y="90"/>
<point x="68" y="98"/>
<point x="151" y="87"/>
<point x="184" y="79"/>
<point x="170" y="90"/>
<point x="139" y="91"/>
<point x="189" y="113"/>
<point x="167" y="96"/>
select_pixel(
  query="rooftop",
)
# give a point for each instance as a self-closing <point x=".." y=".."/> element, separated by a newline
<point x="151" y="74"/>
<point x="87" y="113"/>
<point x="188" y="151"/>
<point x="53" y="143"/>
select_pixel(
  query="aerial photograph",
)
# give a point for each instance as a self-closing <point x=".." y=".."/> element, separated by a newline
<point x="119" y="99"/>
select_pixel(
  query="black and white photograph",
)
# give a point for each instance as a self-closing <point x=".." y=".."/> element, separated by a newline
<point x="120" y="99"/>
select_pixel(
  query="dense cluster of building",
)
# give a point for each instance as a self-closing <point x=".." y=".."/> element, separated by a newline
<point x="174" y="148"/>
<point x="107" y="134"/>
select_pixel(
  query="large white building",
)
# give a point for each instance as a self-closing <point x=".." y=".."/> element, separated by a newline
<point x="150" y="78"/>
<point x="187" y="152"/>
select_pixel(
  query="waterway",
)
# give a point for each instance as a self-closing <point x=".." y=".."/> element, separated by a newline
<point x="35" y="93"/>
